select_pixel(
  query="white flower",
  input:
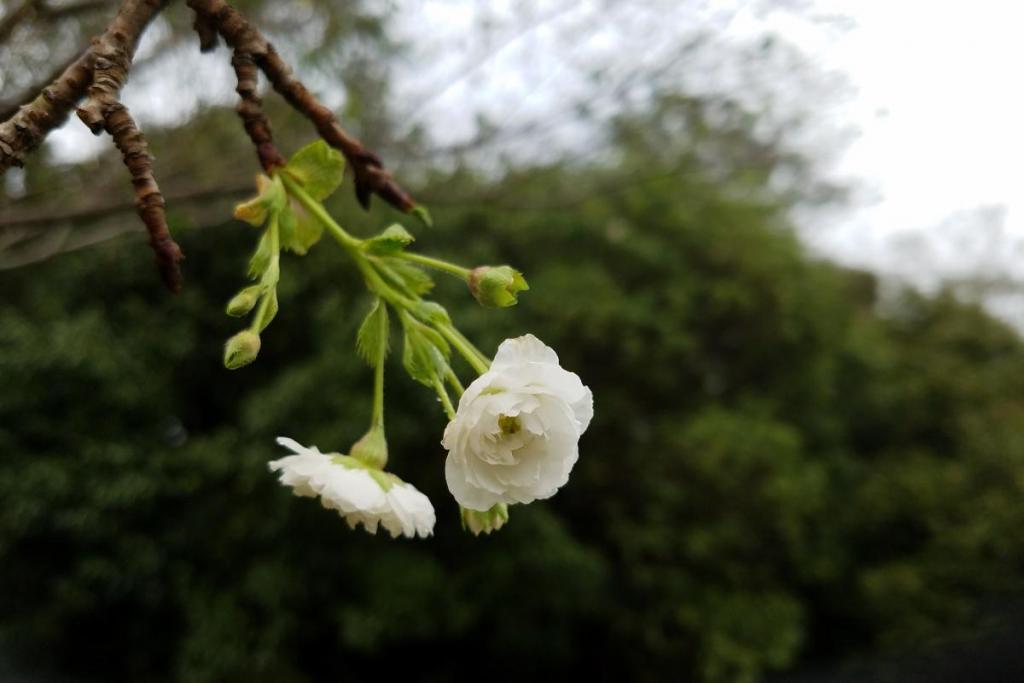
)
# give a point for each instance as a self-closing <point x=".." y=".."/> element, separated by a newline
<point x="515" y="436"/>
<point x="360" y="494"/>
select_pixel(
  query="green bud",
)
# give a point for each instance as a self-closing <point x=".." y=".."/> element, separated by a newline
<point x="241" y="349"/>
<point x="244" y="301"/>
<point x="372" y="448"/>
<point x="477" y="522"/>
<point x="496" y="286"/>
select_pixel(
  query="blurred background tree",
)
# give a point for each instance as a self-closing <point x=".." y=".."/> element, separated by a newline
<point x="786" y="468"/>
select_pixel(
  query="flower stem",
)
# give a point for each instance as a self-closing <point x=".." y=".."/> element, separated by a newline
<point x="377" y="416"/>
<point x="442" y="393"/>
<point x="453" y="379"/>
<point x="436" y="263"/>
<point x="476" y="359"/>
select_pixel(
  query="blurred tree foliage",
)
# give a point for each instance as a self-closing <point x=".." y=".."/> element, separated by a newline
<point x="783" y="466"/>
<point x="780" y="469"/>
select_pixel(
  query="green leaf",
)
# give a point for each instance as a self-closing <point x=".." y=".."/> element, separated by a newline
<point x="261" y="257"/>
<point x="318" y="167"/>
<point x="308" y="230"/>
<point x="432" y="311"/>
<point x="299" y="230"/>
<point x="413" y="278"/>
<point x="286" y="226"/>
<point x="271" y="310"/>
<point x="272" y="272"/>
<point x="372" y="339"/>
<point x="424" y="353"/>
<point x="391" y="241"/>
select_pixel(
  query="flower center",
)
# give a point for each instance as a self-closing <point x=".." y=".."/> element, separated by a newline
<point x="509" y="424"/>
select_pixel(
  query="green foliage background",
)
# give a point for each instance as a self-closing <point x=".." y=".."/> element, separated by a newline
<point x="784" y="467"/>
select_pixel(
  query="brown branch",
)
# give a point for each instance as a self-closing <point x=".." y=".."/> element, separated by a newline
<point x="207" y="32"/>
<point x="250" y="109"/>
<point x="244" y="38"/>
<point x="9" y="108"/>
<point x="24" y="131"/>
<point x="103" y="110"/>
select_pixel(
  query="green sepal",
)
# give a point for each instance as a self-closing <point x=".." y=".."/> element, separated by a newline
<point x="484" y="522"/>
<point x="372" y="448"/>
<point x="391" y="241"/>
<point x="318" y="167"/>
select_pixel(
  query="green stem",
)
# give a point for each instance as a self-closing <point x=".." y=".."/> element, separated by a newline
<point x="453" y="379"/>
<point x="462" y="345"/>
<point x="472" y="347"/>
<point x="438" y="264"/>
<point x="449" y="410"/>
<point x="377" y="417"/>
<point x="317" y="209"/>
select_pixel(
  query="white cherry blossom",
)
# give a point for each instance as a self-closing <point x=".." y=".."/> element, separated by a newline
<point x="360" y="493"/>
<point x="514" y="438"/>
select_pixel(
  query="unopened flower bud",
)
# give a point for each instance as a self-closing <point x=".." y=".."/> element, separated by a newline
<point x="496" y="286"/>
<point x="372" y="448"/>
<point x="244" y="301"/>
<point x="241" y="349"/>
<point x="477" y="522"/>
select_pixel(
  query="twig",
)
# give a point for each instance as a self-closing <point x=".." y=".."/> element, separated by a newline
<point x="250" y="109"/>
<point x="370" y="176"/>
<point x="24" y="131"/>
<point x="103" y="110"/>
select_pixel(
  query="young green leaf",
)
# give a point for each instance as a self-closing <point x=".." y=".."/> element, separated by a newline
<point x="270" y="197"/>
<point x="424" y="353"/>
<point x="412" y="277"/>
<point x="267" y="314"/>
<point x="261" y="257"/>
<point x="318" y="167"/>
<point x="308" y="230"/>
<point x="372" y="339"/>
<point x="391" y="241"/>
